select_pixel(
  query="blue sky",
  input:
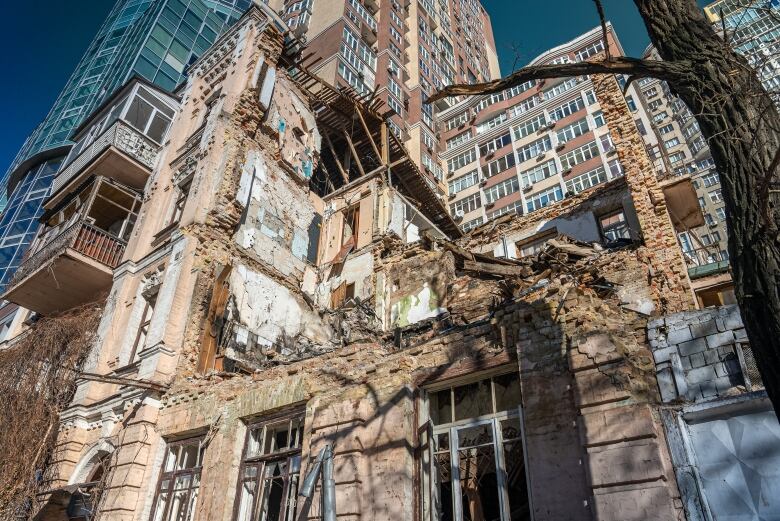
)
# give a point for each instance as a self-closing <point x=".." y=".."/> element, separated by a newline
<point x="42" y="41"/>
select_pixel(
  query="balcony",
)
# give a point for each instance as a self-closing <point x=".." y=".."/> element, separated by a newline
<point x="705" y="261"/>
<point x="120" y="141"/>
<point x="121" y="153"/>
<point x="71" y="261"/>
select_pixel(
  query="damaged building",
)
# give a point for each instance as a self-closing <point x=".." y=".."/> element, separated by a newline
<point x="285" y="288"/>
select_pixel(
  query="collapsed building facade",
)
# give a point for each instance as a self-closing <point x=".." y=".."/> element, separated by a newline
<point x="280" y="276"/>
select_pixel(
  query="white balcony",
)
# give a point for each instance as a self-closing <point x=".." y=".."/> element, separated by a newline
<point x="120" y="141"/>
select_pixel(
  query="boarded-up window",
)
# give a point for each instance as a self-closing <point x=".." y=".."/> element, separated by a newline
<point x="341" y="294"/>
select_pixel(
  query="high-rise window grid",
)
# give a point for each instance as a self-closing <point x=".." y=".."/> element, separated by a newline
<point x="579" y="155"/>
<point x="467" y="204"/>
<point x="567" y="109"/>
<point x="462" y="159"/>
<point x="495" y="144"/>
<point x="533" y="149"/>
<point x="573" y="130"/>
<point x="529" y="127"/>
<point x="538" y="173"/>
<point x="544" y="198"/>
<point x="587" y="180"/>
<point x="458" y="140"/>
<point x="501" y="189"/>
<point x="465" y="181"/>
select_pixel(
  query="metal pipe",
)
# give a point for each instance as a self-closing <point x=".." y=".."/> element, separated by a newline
<point x="323" y="464"/>
<point x="307" y="489"/>
<point x="328" y="487"/>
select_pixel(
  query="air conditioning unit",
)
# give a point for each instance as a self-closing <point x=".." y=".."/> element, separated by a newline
<point x="490" y="205"/>
<point x="459" y="215"/>
<point x="569" y="193"/>
<point x="541" y="156"/>
<point x="490" y="154"/>
<point x="451" y="197"/>
<point x="482" y="183"/>
<point x="560" y="146"/>
<point x="528" y="188"/>
<point x="612" y="152"/>
<point x="566" y="172"/>
<point x="551" y="125"/>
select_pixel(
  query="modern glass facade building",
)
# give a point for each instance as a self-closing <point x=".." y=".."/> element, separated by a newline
<point x="155" y="39"/>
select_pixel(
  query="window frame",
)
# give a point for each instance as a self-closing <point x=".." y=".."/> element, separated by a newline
<point x="260" y="461"/>
<point x="494" y="418"/>
<point x="172" y="476"/>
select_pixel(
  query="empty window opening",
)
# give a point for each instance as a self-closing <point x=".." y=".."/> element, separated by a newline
<point x="477" y="461"/>
<point x="270" y="470"/>
<point x="614" y="227"/>
<point x="351" y="222"/>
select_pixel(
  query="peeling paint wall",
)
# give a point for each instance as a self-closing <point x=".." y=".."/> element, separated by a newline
<point x="272" y="230"/>
<point x="267" y="318"/>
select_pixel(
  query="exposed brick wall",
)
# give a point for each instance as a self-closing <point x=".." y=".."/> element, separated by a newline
<point x="670" y="283"/>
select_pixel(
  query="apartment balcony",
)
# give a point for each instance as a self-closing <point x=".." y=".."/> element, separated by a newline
<point x="368" y="33"/>
<point x="71" y="262"/>
<point x="120" y="152"/>
<point x="119" y="141"/>
<point x="705" y="261"/>
<point x="372" y="6"/>
<point x="682" y="203"/>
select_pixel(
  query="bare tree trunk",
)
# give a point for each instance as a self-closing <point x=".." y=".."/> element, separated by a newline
<point x="741" y="123"/>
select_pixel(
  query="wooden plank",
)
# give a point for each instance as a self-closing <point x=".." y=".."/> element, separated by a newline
<point x="368" y="133"/>
<point x="354" y="153"/>
<point x="344" y="174"/>
<point x="494" y="269"/>
<point x="219" y="298"/>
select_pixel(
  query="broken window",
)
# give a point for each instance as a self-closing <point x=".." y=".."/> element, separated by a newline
<point x="351" y="222"/>
<point x="534" y="244"/>
<point x="477" y="464"/>
<point x="177" y="491"/>
<point x="614" y="227"/>
<point x="143" y="326"/>
<point x="270" y="470"/>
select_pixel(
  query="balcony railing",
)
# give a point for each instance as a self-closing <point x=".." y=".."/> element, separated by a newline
<point x="120" y="135"/>
<point x="80" y="236"/>
<point x="705" y="261"/>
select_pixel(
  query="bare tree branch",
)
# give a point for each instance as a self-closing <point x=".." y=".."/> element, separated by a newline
<point x="603" y="21"/>
<point x="617" y="65"/>
<point x="628" y="83"/>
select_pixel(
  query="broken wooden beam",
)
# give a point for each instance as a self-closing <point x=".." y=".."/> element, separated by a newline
<point x="501" y="270"/>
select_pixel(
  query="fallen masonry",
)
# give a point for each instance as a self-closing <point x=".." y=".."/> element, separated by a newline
<point x="293" y="280"/>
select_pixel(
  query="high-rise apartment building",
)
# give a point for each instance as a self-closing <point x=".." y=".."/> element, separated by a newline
<point x="527" y="147"/>
<point x="676" y="143"/>
<point x="752" y="28"/>
<point x="399" y="51"/>
<point x="154" y="39"/>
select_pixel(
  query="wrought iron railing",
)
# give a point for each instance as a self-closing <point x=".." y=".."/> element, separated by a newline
<point x="704" y="256"/>
<point x="81" y="236"/>
<point x="120" y="135"/>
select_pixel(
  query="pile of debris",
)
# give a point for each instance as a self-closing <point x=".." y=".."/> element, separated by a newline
<point x="561" y="258"/>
